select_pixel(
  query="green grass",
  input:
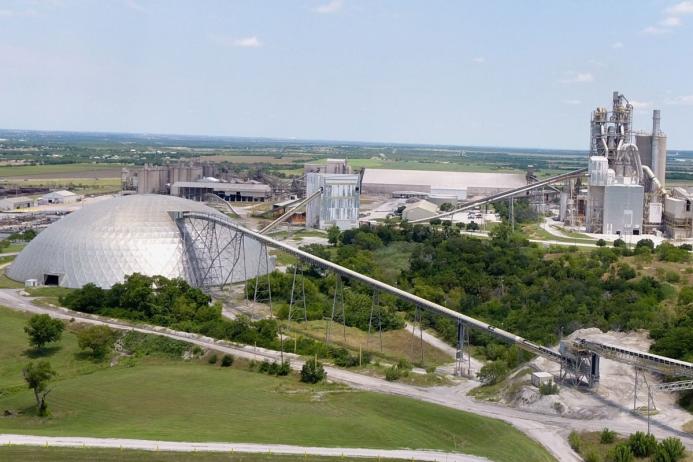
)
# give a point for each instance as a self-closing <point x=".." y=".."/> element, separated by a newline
<point x="158" y="398"/>
<point x="53" y="292"/>
<point x="40" y="454"/>
<point x="14" y="247"/>
<point x="7" y="283"/>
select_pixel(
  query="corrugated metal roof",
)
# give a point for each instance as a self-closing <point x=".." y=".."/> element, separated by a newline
<point x="258" y="187"/>
<point x="444" y="179"/>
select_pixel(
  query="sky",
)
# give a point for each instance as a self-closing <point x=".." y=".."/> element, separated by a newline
<point x="484" y="73"/>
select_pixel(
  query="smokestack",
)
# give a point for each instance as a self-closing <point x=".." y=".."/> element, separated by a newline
<point x="655" y="122"/>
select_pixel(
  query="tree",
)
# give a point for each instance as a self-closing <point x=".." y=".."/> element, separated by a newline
<point x="43" y="329"/>
<point x="37" y="376"/>
<point x="333" y="234"/>
<point x="601" y="243"/>
<point x="493" y="372"/>
<point x="313" y="372"/>
<point x="472" y="226"/>
<point x="98" y="339"/>
<point x="619" y="243"/>
<point x="446" y="207"/>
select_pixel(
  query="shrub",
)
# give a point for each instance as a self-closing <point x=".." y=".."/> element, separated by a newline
<point x="607" y="436"/>
<point x="642" y="444"/>
<point x="619" y="243"/>
<point x="212" y="358"/>
<point x="392" y="373"/>
<point x="284" y="368"/>
<point x="601" y="243"/>
<point x="227" y="361"/>
<point x="404" y="365"/>
<point x="620" y="453"/>
<point x="99" y="339"/>
<point x="592" y="456"/>
<point x="673" y="277"/>
<point x="575" y="441"/>
<point x="670" y="450"/>
<point x="549" y="388"/>
<point x="313" y="372"/>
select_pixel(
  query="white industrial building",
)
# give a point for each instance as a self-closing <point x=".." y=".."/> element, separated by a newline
<point x="462" y="185"/>
<point x="106" y="241"/>
<point x="337" y="205"/>
<point x="678" y="213"/>
<point x="59" y="197"/>
<point x="16" y="203"/>
<point x="250" y="191"/>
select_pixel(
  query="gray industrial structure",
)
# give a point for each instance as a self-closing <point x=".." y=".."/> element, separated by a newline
<point x="625" y="180"/>
<point x="337" y="205"/>
<point x="247" y="191"/>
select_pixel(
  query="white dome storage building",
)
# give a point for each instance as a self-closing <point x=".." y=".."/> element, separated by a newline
<point x="104" y="242"/>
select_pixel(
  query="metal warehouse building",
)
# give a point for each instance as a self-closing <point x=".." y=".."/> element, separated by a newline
<point x="461" y="184"/>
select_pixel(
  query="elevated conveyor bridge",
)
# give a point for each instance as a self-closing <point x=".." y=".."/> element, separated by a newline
<point x="567" y="358"/>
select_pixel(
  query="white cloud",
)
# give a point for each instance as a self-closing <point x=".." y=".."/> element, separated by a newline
<point x="686" y="100"/>
<point x="479" y="60"/>
<point x="640" y="104"/>
<point x="238" y="42"/>
<point x="652" y="30"/>
<point x="330" y="7"/>
<point x="134" y="5"/>
<point x="671" y="21"/>
<point x="578" y="77"/>
<point x="685" y="7"/>
<point x="672" y="18"/>
<point x="247" y="42"/>
<point x="572" y="102"/>
<point x="617" y="45"/>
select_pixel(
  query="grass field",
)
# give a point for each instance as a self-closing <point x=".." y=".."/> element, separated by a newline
<point x="590" y="444"/>
<point x="38" y="454"/>
<point x="75" y="170"/>
<point x="164" y="399"/>
<point x="396" y="344"/>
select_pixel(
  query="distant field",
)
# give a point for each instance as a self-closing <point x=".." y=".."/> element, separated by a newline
<point x="269" y="159"/>
<point x="62" y="171"/>
<point x="165" y="399"/>
<point x="39" y="454"/>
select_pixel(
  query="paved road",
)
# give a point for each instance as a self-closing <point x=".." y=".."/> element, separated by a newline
<point x="551" y="431"/>
<point x="148" y="445"/>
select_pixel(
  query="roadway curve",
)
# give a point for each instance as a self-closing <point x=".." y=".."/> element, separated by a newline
<point x="551" y="431"/>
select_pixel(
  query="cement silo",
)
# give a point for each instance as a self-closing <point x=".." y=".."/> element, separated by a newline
<point x="653" y="148"/>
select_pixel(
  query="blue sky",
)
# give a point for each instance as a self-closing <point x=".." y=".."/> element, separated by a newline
<point x="494" y="73"/>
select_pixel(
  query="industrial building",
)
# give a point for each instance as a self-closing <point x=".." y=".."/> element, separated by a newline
<point x="678" y="213"/>
<point x="249" y="191"/>
<point x="16" y="203"/>
<point x="156" y="179"/>
<point x="460" y="185"/>
<point x="106" y="241"/>
<point x="332" y="166"/>
<point x="625" y="179"/>
<point x="59" y="197"/>
<point x="419" y="209"/>
<point x="337" y="205"/>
